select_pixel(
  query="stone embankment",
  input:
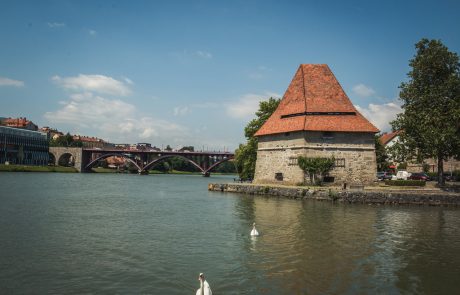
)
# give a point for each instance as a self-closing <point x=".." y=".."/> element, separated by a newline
<point x="359" y="195"/>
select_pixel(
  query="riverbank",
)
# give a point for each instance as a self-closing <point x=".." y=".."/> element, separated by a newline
<point x="24" y="168"/>
<point x="360" y="195"/>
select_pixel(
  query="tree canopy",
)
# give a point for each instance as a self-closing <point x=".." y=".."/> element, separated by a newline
<point x="430" y="122"/>
<point x="316" y="168"/>
<point x="246" y="154"/>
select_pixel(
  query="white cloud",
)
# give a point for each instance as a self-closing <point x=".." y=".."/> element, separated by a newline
<point x="363" y="90"/>
<point x="112" y="118"/>
<point x="181" y="111"/>
<point x="10" y="82"/>
<point x="246" y="105"/>
<point x="92" y="32"/>
<point x="380" y="114"/>
<point x="56" y="25"/>
<point x="203" y="54"/>
<point x="129" y="81"/>
<point x="97" y="83"/>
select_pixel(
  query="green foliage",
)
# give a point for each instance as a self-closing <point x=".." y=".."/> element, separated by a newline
<point x="246" y="154"/>
<point x="168" y="148"/>
<point x="402" y="166"/>
<point x="381" y="154"/>
<point x="316" y="168"/>
<point x="431" y="104"/>
<point x="405" y="182"/>
<point x="65" y="141"/>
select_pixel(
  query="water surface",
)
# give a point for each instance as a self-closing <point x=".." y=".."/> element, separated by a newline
<point x="119" y="233"/>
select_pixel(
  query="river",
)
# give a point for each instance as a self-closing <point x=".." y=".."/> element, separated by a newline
<point x="131" y="234"/>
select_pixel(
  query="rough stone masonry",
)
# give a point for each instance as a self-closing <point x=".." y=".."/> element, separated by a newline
<point x="316" y="118"/>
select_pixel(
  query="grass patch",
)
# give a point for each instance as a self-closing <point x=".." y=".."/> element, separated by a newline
<point x="405" y="182"/>
<point x="24" y="168"/>
<point x="104" y="170"/>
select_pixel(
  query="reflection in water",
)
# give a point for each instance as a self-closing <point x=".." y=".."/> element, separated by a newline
<point x="96" y="233"/>
<point x="318" y="247"/>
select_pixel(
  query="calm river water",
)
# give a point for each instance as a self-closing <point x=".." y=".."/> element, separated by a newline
<point x="131" y="234"/>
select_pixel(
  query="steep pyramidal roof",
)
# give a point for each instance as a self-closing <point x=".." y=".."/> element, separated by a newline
<point x="315" y="101"/>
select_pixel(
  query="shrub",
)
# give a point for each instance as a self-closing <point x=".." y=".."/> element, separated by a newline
<point x="405" y="182"/>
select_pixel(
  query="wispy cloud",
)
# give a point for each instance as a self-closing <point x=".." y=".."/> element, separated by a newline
<point x="181" y="111"/>
<point x="10" y="82"/>
<point x="113" y="118"/>
<point x="246" y="105"/>
<point x="56" y="25"/>
<point x="92" y="32"/>
<point x="381" y="114"/>
<point x="203" y="54"/>
<point x="362" y="90"/>
<point x="97" y="83"/>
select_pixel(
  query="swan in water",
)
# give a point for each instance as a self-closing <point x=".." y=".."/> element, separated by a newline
<point x="254" y="231"/>
<point x="204" y="286"/>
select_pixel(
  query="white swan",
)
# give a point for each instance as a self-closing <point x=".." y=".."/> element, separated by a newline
<point x="204" y="286"/>
<point x="254" y="231"/>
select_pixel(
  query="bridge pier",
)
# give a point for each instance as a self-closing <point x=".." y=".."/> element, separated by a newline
<point x="206" y="174"/>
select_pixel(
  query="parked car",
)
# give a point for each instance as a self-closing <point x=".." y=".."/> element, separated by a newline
<point x="382" y="175"/>
<point x="449" y="177"/>
<point x="419" y="176"/>
<point x="402" y="175"/>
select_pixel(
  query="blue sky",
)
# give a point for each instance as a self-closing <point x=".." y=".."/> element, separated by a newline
<point x="193" y="72"/>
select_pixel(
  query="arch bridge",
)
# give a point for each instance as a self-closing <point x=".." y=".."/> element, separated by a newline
<point x="143" y="160"/>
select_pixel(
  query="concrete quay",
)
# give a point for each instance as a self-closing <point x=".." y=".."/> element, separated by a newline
<point x="354" y="195"/>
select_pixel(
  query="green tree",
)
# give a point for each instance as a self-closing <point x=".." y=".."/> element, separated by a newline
<point x="316" y="168"/>
<point x="246" y="154"/>
<point x="431" y="104"/>
<point x="381" y="154"/>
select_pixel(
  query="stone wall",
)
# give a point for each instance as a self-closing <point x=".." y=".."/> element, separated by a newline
<point x="395" y="197"/>
<point x="76" y="152"/>
<point x="354" y="154"/>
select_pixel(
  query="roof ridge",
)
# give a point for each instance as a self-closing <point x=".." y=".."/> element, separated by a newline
<point x="315" y="98"/>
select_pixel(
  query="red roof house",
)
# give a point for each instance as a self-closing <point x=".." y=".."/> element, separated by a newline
<point x="315" y="119"/>
<point x="315" y="101"/>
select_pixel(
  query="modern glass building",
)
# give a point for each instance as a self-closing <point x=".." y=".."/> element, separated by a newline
<point x="23" y="147"/>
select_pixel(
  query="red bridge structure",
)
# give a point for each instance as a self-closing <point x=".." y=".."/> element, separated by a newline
<point x="144" y="160"/>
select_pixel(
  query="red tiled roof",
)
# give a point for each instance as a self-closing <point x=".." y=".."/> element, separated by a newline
<point x="387" y="137"/>
<point x="315" y="101"/>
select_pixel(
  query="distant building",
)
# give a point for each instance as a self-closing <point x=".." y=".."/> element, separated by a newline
<point x="91" y="142"/>
<point x="391" y="138"/>
<point x="315" y="118"/>
<point x="121" y="146"/>
<point x="52" y="133"/>
<point x="23" y="147"/>
<point x="21" y="123"/>
<point x="143" y="146"/>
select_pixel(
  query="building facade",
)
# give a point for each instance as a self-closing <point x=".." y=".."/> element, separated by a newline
<point x="316" y="119"/>
<point x="20" y="122"/>
<point x="23" y="147"/>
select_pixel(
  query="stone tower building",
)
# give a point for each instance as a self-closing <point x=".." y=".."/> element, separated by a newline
<point x="315" y="118"/>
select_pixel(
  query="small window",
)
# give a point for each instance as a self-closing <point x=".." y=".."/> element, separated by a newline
<point x="292" y="161"/>
<point x="339" y="162"/>
<point x="328" y="135"/>
<point x="287" y="133"/>
<point x="279" y="176"/>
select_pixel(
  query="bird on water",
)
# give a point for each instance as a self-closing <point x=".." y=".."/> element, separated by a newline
<point x="254" y="231"/>
<point x="204" y="286"/>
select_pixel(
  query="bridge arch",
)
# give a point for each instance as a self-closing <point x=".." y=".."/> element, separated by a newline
<point x="162" y="158"/>
<point x="225" y="159"/>
<point x="66" y="160"/>
<point x="93" y="162"/>
<point x="52" y="159"/>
